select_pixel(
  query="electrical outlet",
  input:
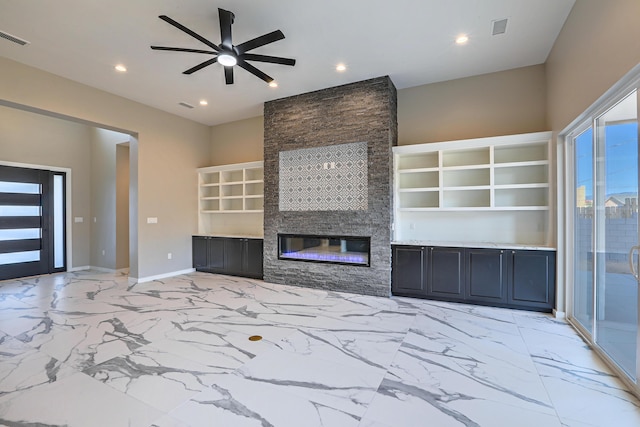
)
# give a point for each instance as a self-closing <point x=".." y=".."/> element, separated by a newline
<point x="152" y="220"/>
<point x="104" y="252"/>
<point x="169" y="255"/>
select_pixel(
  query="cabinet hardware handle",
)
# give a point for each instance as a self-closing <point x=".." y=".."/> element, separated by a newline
<point x="632" y="267"/>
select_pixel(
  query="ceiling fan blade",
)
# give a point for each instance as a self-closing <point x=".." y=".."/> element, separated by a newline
<point x="200" y="66"/>
<point x="180" y="49"/>
<point x="271" y="37"/>
<point x="228" y="75"/>
<point x="270" y="59"/>
<point x="193" y="34"/>
<point x="253" y="70"/>
<point x="226" y="19"/>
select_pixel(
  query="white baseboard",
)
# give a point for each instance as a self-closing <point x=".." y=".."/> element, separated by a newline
<point x="103" y="269"/>
<point x="82" y="267"/>
<point x="161" y="276"/>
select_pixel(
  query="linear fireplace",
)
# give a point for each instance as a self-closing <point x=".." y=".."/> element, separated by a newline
<point x="347" y="250"/>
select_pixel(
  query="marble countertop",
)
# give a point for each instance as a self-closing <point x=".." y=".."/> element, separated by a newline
<point x="231" y="236"/>
<point x="487" y="245"/>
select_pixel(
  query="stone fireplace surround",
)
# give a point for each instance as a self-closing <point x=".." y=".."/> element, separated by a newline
<point x="359" y="112"/>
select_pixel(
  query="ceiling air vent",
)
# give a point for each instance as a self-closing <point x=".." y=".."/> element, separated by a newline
<point x="499" y="26"/>
<point x="184" y="104"/>
<point x="14" y="39"/>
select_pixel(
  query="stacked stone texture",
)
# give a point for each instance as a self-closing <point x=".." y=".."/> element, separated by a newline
<point x="359" y="112"/>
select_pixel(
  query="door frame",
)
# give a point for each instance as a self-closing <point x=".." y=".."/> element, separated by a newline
<point x="68" y="204"/>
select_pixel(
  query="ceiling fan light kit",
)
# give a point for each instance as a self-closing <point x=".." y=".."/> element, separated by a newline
<point x="228" y="54"/>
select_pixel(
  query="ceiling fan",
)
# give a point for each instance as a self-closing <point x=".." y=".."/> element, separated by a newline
<point x="228" y="54"/>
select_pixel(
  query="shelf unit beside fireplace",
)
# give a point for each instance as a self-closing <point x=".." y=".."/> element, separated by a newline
<point x="480" y="190"/>
<point x="231" y="189"/>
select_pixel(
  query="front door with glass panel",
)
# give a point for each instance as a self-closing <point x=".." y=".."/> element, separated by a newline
<point x="31" y="222"/>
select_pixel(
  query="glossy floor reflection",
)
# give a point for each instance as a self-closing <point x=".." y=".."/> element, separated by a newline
<point x="86" y="349"/>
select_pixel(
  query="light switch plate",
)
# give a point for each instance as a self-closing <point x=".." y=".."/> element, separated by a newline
<point x="152" y="220"/>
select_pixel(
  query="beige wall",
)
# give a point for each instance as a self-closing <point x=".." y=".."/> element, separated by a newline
<point x="44" y="141"/>
<point x="237" y="142"/>
<point x="596" y="47"/>
<point x="503" y="103"/>
<point x="165" y="156"/>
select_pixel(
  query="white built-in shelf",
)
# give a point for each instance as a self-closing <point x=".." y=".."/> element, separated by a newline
<point x="504" y="175"/>
<point x="231" y="189"/>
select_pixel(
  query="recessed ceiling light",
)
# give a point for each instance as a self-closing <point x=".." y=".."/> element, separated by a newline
<point x="462" y="39"/>
<point x="341" y="67"/>
<point x="273" y="83"/>
<point x="204" y="102"/>
<point x="121" y="68"/>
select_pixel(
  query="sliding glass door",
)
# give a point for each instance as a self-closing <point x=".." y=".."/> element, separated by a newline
<point x="616" y="201"/>
<point x="583" y="230"/>
<point x="606" y="234"/>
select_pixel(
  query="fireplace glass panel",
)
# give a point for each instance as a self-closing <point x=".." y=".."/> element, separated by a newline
<point x="330" y="249"/>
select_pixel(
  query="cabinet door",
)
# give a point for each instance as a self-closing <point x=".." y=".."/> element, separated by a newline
<point x="253" y="258"/>
<point x="409" y="270"/>
<point x="233" y="255"/>
<point x="532" y="279"/>
<point x="199" y="252"/>
<point x="486" y="275"/>
<point x="216" y="254"/>
<point x="446" y="278"/>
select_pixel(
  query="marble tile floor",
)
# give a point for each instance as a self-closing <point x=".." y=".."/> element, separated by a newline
<point x="86" y="349"/>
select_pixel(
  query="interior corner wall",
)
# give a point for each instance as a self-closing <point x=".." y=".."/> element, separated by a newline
<point x="35" y="139"/>
<point x="166" y="152"/>
<point x="237" y="142"/>
<point x="103" y="201"/>
<point x="597" y="46"/>
<point x="122" y="205"/>
<point x="502" y="103"/>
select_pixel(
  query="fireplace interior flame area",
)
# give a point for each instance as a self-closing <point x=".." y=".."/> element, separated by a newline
<point x="330" y="249"/>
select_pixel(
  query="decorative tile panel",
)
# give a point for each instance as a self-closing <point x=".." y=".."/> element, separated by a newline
<point x="330" y="178"/>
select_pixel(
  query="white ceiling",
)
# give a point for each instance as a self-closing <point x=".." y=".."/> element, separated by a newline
<point x="412" y="41"/>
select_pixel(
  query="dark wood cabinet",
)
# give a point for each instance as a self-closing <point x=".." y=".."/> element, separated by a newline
<point x="532" y="279"/>
<point x="233" y="256"/>
<point x="253" y="258"/>
<point x="409" y="276"/>
<point x="200" y="252"/>
<point x="486" y="275"/>
<point x="447" y="273"/>
<point x="215" y="257"/>
<point x="499" y="277"/>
